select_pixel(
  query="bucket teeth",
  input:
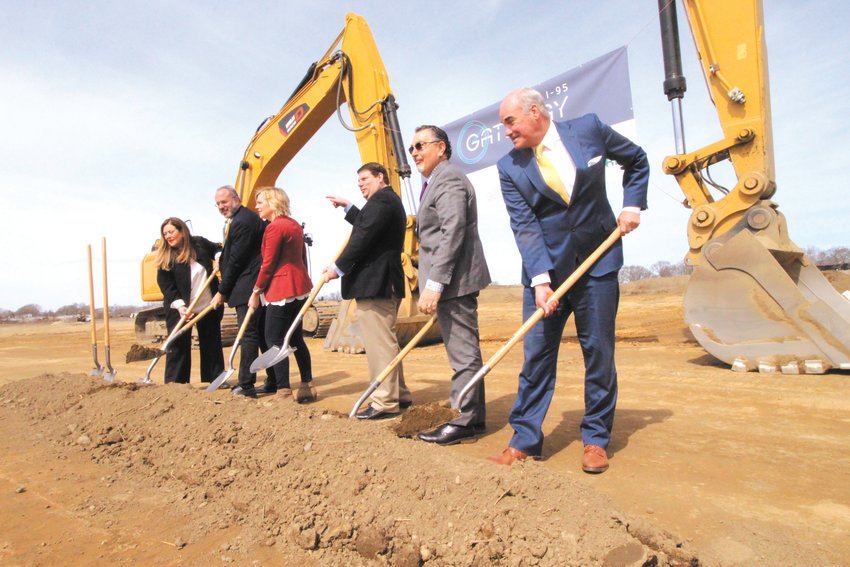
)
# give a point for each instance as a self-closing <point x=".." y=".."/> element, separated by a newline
<point x="766" y="368"/>
<point x="791" y="368"/>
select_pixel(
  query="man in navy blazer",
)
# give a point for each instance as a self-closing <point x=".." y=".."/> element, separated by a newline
<point x="557" y="224"/>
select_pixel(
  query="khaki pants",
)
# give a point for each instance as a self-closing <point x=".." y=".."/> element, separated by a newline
<point x="377" y="318"/>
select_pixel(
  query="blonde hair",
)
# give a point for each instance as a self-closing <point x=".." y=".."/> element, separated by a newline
<point x="277" y="199"/>
<point x="166" y="256"/>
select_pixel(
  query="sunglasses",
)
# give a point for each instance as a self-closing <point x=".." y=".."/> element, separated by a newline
<point x="419" y="145"/>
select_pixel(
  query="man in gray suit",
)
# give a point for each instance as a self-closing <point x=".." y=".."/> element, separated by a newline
<point x="452" y="270"/>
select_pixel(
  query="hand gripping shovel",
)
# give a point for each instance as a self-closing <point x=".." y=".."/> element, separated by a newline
<point x="98" y="369"/>
<point x="391" y="366"/>
<point x="275" y="354"/>
<point x="109" y="373"/>
<point x="222" y="378"/>
<point x="536" y="316"/>
<point x="146" y="379"/>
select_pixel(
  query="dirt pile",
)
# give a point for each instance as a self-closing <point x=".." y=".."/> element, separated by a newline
<point x="223" y="480"/>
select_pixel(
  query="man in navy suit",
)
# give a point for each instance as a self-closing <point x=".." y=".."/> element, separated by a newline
<point x="553" y="184"/>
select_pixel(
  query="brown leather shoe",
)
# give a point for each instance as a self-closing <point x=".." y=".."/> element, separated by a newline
<point x="595" y="459"/>
<point x="508" y="456"/>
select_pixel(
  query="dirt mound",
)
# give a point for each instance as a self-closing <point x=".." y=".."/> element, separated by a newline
<point x="209" y="478"/>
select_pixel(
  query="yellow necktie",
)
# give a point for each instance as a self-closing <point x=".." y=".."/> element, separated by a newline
<point x="226" y="230"/>
<point x="550" y="174"/>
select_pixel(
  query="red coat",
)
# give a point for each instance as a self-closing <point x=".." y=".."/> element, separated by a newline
<point x="283" y="273"/>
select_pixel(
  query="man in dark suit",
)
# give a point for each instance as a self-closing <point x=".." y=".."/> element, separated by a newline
<point x="452" y="270"/>
<point x="239" y="265"/>
<point x="371" y="270"/>
<point x="553" y="184"/>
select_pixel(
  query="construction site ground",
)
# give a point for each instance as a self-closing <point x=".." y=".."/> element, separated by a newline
<point x="708" y="466"/>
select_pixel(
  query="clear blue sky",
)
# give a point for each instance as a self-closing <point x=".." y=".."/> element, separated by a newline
<point x="116" y="115"/>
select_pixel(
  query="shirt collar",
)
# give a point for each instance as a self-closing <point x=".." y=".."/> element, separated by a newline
<point x="552" y="138"/>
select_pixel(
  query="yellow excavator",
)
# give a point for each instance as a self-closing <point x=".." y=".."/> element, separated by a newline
<point x="351" y="71"/>
<point x="754" y="300"/>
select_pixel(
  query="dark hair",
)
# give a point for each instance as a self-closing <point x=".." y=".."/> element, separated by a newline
<point x="375" y="168"/>
<point x="440" y="136"/>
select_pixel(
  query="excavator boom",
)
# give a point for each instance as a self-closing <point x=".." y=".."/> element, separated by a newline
<point x="755" y="300"/>
<point x="351" y="71"/>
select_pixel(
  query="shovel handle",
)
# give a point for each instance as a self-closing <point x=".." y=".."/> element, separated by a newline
<point x="311" y="298"/>
<point x="193" y="321"/>
<point x="238" y="340"/>
<point x="538" y="314"/>
<point x="105" y="295"/>
<point x="91" y="301"/>
<point x="182" y="321"/>
<point x="244" y="326"/>
<point x="392" y="365"/>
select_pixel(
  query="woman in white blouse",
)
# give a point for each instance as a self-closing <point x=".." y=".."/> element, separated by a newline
<point x="184" y="263"/>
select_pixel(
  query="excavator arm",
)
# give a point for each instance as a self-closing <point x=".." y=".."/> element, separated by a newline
<point x="755" y="300"/>
<point x="351" y="71"/>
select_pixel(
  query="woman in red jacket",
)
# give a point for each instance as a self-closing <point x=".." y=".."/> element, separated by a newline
<point x="283" y="285"/>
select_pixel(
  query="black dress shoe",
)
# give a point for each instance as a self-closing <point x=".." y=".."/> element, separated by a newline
<point x="267" y="389"/>
<point x="449" y="434"/>
<point x="405" y="405"/>
<point x="372" y="413"/>
<point x="246" y="392"/>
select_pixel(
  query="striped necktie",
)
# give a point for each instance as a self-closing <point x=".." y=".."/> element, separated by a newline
<point x="550" y="174"/>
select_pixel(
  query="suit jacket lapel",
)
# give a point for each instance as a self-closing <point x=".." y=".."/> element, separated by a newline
<point x="529" y="166"/>
<point x="571" y="143"/>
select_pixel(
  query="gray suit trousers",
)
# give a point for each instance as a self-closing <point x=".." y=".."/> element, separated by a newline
<point x="458" y="319"/>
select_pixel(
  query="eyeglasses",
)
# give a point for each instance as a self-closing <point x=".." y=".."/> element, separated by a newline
<point x="418" y="146"/>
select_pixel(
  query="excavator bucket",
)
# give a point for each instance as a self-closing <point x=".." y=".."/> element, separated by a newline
<point x="345" y="335"/>
<point x="757" y="302"/>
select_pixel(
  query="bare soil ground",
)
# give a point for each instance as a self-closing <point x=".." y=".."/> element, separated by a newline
<point x="708" y="466"/>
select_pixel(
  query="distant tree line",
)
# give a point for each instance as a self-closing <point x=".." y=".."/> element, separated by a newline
<point x="836" y="258"/>
<point x="81" y="310"/>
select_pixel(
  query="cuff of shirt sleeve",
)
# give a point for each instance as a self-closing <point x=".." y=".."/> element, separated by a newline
<point x="339" y="272"/>
<point x="434" y="286"/>
<point x="348" y="207"/>
<point x="177" y="304"/>
<point x="635" y="210"/>
<point x="541" y="279"/>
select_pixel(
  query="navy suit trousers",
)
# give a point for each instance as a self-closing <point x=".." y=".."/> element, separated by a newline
<point x="594" y="301"/>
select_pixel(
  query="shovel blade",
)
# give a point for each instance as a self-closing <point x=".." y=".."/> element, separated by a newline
<point x="96" y="371"/>
<point x="282" y="354"/>
<point x="109" y="375"/>
<point x="221" y="379"/>
<point x="265" y="360"/>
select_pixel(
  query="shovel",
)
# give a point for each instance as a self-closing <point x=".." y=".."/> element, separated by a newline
<point x="393" y="363"/>
<point x="146" y="379"/>
<point x="222" y="378"/>
<point x="275" y="354"/>
<point x="98" y="369"/>
<point x="109" y="373"/>
<point x="537" y="315"/>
